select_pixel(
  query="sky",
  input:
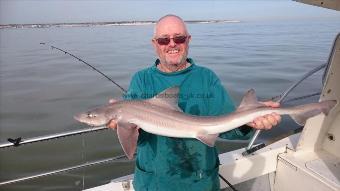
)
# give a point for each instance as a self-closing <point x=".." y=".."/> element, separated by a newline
<point x="72" y="11"/>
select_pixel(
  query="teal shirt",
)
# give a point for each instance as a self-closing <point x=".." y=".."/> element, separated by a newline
<point x="175" y="164"/>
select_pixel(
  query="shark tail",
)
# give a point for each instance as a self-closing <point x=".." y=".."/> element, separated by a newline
<point x="315" y="109"/>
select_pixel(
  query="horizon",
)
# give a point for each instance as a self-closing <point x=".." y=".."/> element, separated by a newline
<point x="61" y="11"/>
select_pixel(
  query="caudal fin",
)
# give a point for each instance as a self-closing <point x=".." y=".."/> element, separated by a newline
<point x="313" y="110"/>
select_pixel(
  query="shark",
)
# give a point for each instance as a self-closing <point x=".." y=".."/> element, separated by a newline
<point x="161" y="115"/>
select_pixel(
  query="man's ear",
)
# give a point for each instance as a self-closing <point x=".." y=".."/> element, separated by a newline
<point x="154" y="43"/>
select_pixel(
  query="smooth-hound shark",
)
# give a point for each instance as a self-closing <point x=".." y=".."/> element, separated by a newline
<point x="161" y="115"/>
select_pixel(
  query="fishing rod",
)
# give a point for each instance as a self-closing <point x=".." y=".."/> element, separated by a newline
<point x="82" y="61"/>
<point x="20" y="141"/>
<point x="250" y="149"/>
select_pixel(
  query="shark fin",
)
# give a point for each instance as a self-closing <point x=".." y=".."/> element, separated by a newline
<point x="325" y="107"/>
<point x="299" y="119"/>
<point x="128" y="136"/>
<point x="167" y="99"/>
<point x="208" y="139"/>
<point x="249" y="101"/>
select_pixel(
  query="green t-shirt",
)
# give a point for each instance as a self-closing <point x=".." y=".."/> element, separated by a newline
<point x="175" y="164"/>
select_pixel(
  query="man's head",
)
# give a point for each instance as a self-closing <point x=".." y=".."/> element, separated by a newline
<point x="174" y="52"/>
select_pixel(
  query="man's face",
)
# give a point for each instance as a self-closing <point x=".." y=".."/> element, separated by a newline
<point x="171" y="54"/>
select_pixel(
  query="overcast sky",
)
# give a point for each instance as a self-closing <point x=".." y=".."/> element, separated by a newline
<point x="59" y="11"/>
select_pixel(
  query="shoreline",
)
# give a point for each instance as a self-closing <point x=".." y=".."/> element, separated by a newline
<point x="114" y="23"/>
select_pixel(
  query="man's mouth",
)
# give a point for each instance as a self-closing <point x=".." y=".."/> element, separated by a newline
<point x="175" y="51"/>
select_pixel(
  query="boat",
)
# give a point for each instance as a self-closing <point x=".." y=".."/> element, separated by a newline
<point x="309" y="160"/>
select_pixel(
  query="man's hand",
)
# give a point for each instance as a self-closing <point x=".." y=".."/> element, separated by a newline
<point x="266" y="121"/>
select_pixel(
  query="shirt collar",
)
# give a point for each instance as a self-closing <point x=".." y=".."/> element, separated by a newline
<point x="190" y="60"/>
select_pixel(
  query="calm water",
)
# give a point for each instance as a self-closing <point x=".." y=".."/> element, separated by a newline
<point x="41" y="89"/>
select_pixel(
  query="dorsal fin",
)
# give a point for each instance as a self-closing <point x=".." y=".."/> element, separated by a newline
<point x="167" y="99"/>
<point x="249" y="101"/>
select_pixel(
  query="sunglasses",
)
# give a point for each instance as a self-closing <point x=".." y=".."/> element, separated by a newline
<point x="166" y="40"/>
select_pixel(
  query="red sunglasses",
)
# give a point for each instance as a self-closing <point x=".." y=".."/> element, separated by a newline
<point x="176" y="39"/>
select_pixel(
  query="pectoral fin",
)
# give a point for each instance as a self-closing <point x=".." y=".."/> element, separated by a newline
<point x="128" y="136"/>
<point x="208" y="139"/>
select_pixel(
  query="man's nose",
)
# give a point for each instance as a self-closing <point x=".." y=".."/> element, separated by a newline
<point x="172" y="42"/>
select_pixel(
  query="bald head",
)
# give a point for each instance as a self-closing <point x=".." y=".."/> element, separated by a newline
<point x="171" y="42"/>
<point x="169" y="21"/>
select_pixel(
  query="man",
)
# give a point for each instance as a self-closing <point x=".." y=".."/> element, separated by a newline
<point x="165" y="163"/>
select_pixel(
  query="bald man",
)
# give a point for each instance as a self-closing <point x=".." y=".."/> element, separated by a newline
<point x="175" y="164"/>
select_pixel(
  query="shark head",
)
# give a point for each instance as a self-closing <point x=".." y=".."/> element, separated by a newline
<point x="95" y="117"/>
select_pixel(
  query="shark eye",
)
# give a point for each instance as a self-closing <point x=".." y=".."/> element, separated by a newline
<point x="91" y="115"/>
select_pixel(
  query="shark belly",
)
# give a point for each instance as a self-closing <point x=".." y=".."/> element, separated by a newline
<point x="165" y="128"/>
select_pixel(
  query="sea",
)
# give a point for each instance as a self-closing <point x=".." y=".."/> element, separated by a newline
<point x="42" y="88"/>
